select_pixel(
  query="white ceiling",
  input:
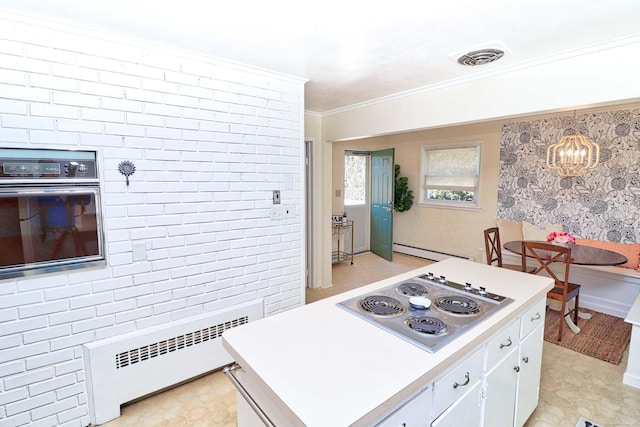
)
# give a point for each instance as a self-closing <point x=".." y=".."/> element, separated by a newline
<point x="352" y="51"/>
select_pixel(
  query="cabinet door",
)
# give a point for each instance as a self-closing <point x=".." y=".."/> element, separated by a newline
<point x="529" y="377"/>
<point x="464" y="412"/>
<point x="500" y="394"/>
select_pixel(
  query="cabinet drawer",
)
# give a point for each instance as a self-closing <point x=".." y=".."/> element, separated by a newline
<point x="457" y="381"/>
<point x="416" y="412"/>
<point x="503" y="343"/>
<point x="533" y="317"/>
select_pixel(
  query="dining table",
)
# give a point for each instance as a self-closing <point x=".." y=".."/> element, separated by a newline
<point x="580" y="255"/>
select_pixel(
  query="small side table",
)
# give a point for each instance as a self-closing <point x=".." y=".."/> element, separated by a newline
<point x="341" y="230"/>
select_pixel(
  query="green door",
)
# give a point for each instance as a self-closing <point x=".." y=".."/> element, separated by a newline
<point x="382" y="190"/>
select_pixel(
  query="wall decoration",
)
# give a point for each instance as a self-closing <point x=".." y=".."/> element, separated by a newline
<point x="603" y="204"/>
<point x="127" y="169"/>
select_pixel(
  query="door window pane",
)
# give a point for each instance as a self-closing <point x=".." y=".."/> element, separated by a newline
<point x="355" y="179"/>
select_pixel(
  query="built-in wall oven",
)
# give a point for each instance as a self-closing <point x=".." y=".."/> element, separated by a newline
<point x="50" y="215"/>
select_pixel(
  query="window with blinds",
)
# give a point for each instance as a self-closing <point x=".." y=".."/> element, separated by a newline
<point x="450" y="175"/>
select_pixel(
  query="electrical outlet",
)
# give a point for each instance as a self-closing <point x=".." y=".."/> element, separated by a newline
<point x="288" y="212"/>
<point x="276" y="212"/>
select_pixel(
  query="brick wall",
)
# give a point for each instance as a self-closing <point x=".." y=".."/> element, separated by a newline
<point x="210" y="141"/>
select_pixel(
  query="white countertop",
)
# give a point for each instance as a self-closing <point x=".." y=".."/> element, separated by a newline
<point x="332" y="368"/>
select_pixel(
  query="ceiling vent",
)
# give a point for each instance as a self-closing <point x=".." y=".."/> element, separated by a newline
<point x="480" y="57"/>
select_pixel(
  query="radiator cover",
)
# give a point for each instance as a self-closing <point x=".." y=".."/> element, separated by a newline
<point x="126" y="367"/>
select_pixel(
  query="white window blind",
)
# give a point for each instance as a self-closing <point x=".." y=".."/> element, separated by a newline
<point x="454" y="169"/>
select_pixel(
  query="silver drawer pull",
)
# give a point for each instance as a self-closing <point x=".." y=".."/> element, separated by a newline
<point x="509" y="342"/>
<point x="525" y="359"/>
<point x="229" y="373"/>
<point x="456" y="384"/>
<point x="536" y="317"/>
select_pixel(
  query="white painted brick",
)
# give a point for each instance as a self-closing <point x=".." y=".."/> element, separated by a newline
<point x="143" y="71"/>
<point x="101" y="115"/>
<point x="23" y="325"/>
<point x="181" y="100"/>
<point x="90" y="300"/>
<point x="116" y="330"/>
<point x="56" y="83"/>
<point x="11" y="368"/>
<point x="75" y="365"/>
<point x="196" y="92"/>
<point x="10" y="341"/>
<point x="23" y="352"/>
<point x="144" y="119"/>
<point x="73" y="72"/>
<point x="23" y="298"/>
<point x="118" y="79"/>
<point x="169" y="307"/>
<point x="77" y="99"/>
<point x="159" y="86"/>
<point x="167" y="264"/>
<point x="50" y="110"/>
<point x="144" y="95"/>
<point x="49" y="359"/>
<point x="120" y="259"/>
<point x="52" y="409"/>
<point x="46" y="333"/>
<point x="164" y="133"/>
<point x="41" y="309"/>
<point x="79" y="126"/>
<point x="25" y="122"/>
<point x="133" y="269"/>
<point x="97" y="63"/>
<point x="21" y="63"/>
<point x="100" y="89"/>
<point x="10" y="47"/>
<point x="53" y="138"/>
<point x="72" y="413"/>
<point x="16" y="92"/>
<point x="93" y="324"/>
<point x="12" y="396"/>
<point x="13" y="77"/>
<point x="111" y="284"/>
<point x="130" y="315"/>
<point x="72" y="316"/>
<point x="122" y="105"/>
<point x="124" y="130"/>
<point x="28" y="378"/>
<point x="163" y="110"/>
<point x="71" y="341"/>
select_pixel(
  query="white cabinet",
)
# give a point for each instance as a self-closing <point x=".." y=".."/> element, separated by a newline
<point x="415" y="413"/>
<point x="466" y="411"/>
<point x="529" y="376"/>
<point x="514" y="361"/>
<point x="458" y="381"/>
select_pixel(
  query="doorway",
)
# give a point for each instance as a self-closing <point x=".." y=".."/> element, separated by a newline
<point x="356" y="197"/>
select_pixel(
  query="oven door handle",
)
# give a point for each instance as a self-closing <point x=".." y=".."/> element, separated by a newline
<point x="229" y="372"/>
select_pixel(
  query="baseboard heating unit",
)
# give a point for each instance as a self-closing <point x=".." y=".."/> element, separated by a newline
<point x="123" y="368"/>
<point x="426" y="253"/>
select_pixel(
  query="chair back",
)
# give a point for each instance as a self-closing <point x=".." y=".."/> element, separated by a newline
<point x="492" y="246"/>
<point x="547" y="254"/>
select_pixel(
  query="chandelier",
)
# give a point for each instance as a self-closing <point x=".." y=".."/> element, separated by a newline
<point x="573" y="155"/>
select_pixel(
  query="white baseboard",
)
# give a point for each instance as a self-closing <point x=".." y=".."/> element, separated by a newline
<point x="429" y="254"/>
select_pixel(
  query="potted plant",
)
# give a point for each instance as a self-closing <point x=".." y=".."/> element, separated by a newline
<point x="403" y="197"/>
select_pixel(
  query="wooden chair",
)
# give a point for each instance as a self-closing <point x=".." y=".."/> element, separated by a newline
<point x="546" y="254"/>
<point x="493" y="249"/>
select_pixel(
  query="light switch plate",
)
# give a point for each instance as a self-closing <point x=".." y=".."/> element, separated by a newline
<point x="276" y="197"/>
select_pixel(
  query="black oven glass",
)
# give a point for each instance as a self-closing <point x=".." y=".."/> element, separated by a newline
<point x="49" y="227"/>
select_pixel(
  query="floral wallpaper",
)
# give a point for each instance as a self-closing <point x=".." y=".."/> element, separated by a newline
<point x="603" y="204"/>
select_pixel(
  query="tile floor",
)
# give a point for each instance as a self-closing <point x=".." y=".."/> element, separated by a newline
<point x="572" y="384"/>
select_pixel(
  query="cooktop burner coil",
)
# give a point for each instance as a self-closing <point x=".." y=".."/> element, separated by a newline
<point x="382" y="305"/>
<point x="411" y="289"/>
<point x="457" y="304"/>
<point x="427" y="325"/>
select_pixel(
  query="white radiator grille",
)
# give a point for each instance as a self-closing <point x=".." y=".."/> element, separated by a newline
<point x="127" y="367"/>
<point x="169" y="345"/>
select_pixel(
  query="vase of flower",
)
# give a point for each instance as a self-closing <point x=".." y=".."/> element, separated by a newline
<point x="561" y="238"/>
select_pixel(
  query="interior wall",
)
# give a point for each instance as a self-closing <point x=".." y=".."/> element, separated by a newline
<point x="602" y="204"/>
<point x="210" y="141"/>
<point x="453" y="231"/>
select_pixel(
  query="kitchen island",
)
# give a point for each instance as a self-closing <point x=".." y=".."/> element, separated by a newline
<point x="319" y="365"/>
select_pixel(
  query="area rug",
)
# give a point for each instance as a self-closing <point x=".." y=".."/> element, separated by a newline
<point x="603" y="336"/>
<point x="583" y="422"/>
